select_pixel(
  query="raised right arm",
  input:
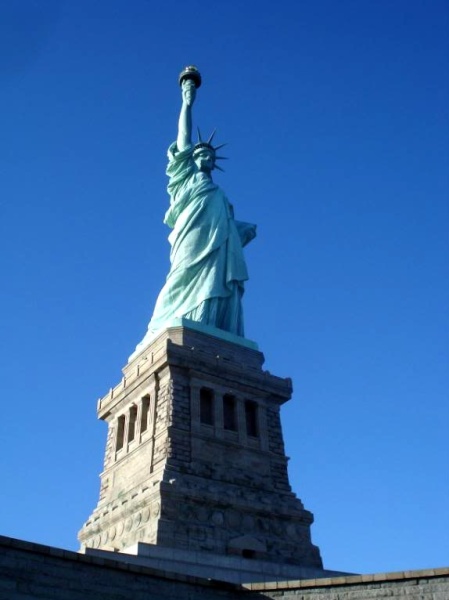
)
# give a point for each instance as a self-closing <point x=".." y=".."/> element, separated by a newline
<point x="184" y="138"/>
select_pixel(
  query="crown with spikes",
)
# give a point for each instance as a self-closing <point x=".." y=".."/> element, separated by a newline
<point x="203" y="144"/>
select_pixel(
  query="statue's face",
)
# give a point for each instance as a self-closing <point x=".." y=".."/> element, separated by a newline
<point x="204" y="160"/>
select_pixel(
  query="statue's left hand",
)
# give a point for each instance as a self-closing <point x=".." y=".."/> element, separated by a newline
<point x="247" y="231"/>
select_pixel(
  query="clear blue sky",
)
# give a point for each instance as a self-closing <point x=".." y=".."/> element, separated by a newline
<point x="337" y="119"/>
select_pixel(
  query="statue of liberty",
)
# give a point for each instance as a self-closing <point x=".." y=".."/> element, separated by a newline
<point x="208" y="270"/>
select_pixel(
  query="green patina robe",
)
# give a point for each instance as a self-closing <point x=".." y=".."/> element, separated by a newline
<point x="208" y="270"/>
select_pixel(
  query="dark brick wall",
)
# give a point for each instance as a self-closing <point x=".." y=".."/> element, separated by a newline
<point x="34" y="572"/>
<point x="431" y="584"/>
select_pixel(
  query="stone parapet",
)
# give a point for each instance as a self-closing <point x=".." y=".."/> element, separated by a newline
<point x="30" y="571"/>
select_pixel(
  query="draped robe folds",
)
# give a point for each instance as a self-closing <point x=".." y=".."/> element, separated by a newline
<point x="208" y="269"/>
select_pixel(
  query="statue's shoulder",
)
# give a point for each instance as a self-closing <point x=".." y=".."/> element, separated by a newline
<point x="176" y="155"/>
<point x="180" y="169"/>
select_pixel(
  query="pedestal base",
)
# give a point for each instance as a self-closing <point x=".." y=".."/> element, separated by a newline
<point x="195" y="458"/>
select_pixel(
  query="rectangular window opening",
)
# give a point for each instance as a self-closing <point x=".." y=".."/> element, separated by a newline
<point x="120" y="433"/>
<point x="144" y="414"/>
<point x="132" y="423"/>
<point x="229" y="412"/>
<point x="206" y="406"/>
<point x="252" y="425"/>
